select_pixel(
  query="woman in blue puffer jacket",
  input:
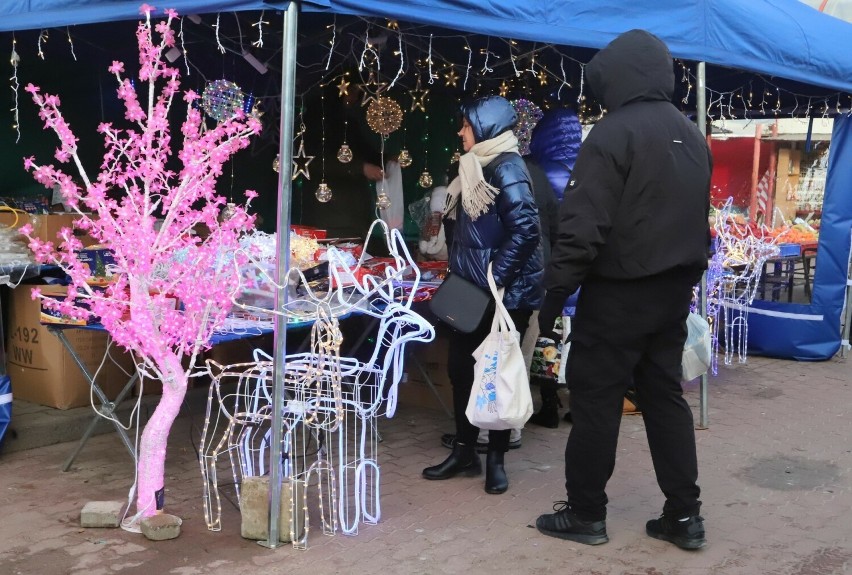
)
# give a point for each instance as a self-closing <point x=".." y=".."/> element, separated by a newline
<point x="496" y="221"/>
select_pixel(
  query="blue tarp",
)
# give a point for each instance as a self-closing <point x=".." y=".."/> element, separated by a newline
<point x="813" y="331"/>
<point x="782" y="38"/>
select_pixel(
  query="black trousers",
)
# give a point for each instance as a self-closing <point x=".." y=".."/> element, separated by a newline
<point x="627" y="331"/>
<point x="460" y="365"/>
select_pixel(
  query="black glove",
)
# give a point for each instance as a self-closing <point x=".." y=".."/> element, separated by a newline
<point x="551" y="309"/>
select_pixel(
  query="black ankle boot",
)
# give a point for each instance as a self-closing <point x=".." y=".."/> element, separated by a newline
<point x="548" y="415"/>
<point x="496" y="481"/>
<point x="462" y="461"/>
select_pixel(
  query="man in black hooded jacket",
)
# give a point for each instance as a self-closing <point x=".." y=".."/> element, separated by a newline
<point x="633" y="230"/>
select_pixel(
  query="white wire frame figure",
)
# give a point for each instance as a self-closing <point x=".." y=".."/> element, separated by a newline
<point x="238" y="418"/>
<point x="321" y="416"/>
<point x="732" y="281"/>
<point x="370" y="386"/>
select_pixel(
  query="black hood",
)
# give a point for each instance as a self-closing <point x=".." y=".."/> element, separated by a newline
<point x="636" y="66"/>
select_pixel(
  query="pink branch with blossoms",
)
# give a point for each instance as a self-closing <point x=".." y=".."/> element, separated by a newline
<point x="146" y="214"/>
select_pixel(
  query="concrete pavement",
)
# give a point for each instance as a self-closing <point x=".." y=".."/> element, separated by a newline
<point x="775" y="468"/>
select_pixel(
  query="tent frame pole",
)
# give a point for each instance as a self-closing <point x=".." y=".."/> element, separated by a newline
<point x="282" y="261"/>
<point x="701" y="118"/>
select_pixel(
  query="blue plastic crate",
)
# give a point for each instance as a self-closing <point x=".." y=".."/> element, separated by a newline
<point x="790" y="250"/>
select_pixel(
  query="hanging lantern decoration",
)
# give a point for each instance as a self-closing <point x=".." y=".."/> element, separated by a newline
<point x="276" y="163"/>
<point x="227" y="212"/>
<point x="425" y="180"/>
<point x="404" y="158"/>
<point x="344" y="154"/>
<point x="222" y="100"/>
<point x="384" y="116"/>
<point x="383" y="202"/>
<point x="323" y="193"/>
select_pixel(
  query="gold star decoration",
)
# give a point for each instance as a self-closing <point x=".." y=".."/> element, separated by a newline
<point x="542" y="77"/>
<point x="418" y="97"/>
<point x="343" y="87"/>
<point x="504" y="88"/>
<point x="452" y="77"/>
<point x="301" y="161"/>
<point x="369" y="96"/>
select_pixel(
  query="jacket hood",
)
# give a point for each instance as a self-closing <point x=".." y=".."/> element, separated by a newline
<point x="490" y="116"/>
<point x="636" y="66"/>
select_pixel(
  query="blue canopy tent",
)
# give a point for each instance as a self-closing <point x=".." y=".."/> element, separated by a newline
<point x="780" y="38"/>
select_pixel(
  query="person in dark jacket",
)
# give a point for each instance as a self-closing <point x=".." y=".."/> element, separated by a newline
<point x="495" y="221"/>
<point x="633" y="231"/>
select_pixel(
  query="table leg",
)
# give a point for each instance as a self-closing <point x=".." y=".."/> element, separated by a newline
<point x="107" y="407"/>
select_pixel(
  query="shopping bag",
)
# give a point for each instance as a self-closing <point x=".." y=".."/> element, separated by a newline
<point x="500" y="397"/>
<point x="696" y="350"/>
<point x="5" y="406"/>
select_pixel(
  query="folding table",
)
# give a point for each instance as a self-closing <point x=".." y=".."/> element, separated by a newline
<point x="107" y="408"/>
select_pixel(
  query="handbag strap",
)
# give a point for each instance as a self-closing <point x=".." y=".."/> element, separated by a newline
<point x="501" y="314"/>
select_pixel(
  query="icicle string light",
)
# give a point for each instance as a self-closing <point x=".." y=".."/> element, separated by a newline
<point x="71" y="43"/>
<point x="14" y="60"/>
<point x="216" y="28"/>
<point x="183" y="48"/>
<point x="42" y="38"/>
<point x="333" y="27"/>
<point x="259" y="24"/>
<point x="401" y="54"/>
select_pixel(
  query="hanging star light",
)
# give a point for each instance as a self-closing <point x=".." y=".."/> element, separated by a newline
<point x="418" y="97"/>
<point x="343" y="87"/>
<point x="504" y="88"/>
<point x="452" y="77"/>
<point x="369" y="96"/>
<point x="542" y="77"/>
<point x="301" y="161"/>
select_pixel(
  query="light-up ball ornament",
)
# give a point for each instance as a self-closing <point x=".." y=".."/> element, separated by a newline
<point x="222" y="100"/>
<point x="344" y="154"/>
<point x="383" y="202"/>
<point x="276" y="164"/>
<point x="323" y="193"/>
<point x="384" y="116"/>
<point x="404" y="158"/>
<point x="425" y="180"/>
<point x="227" y="212"/>
<point x="528" y="116"/>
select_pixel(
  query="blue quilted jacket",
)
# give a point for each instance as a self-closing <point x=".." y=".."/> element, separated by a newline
<point x="508" y="233"/>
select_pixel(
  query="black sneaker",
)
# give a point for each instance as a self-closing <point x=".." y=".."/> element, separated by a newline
<point x="565" y="525"/>
<point x="686" y="533"/>
<point x="449" y="439"/>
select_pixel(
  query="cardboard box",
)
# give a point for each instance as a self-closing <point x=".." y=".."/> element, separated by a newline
<point x="42" y="370"/>
<point x="101" y="263"/>
<point x="432" y="358"/>
<point x="45" y="226"/>
<point x="53" y="316"/>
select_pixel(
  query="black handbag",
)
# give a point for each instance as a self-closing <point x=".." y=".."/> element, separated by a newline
<point x="461" y="303"/>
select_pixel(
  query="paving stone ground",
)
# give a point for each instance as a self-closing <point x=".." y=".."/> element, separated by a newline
<point x="775" y="469"/>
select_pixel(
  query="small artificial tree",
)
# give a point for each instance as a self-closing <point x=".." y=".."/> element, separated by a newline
<point x="146" y="214"/>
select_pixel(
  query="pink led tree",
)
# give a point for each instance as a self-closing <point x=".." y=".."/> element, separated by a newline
<point x="146" y="213"/>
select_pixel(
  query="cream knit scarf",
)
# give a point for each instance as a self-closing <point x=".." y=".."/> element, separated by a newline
<point x="477" y="195"/>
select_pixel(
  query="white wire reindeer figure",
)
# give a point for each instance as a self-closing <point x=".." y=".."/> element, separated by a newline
<point x="239" y="425"/>
<point x="346" y="411"/>
<point x="733" y="279"/>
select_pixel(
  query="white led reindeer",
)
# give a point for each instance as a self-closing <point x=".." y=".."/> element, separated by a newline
<point x="733" y="278"/>
<point x="357" y="392"/>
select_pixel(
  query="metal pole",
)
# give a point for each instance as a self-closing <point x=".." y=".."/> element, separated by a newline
<point x="285" y="190"/>
<point x="701" y="118"/>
